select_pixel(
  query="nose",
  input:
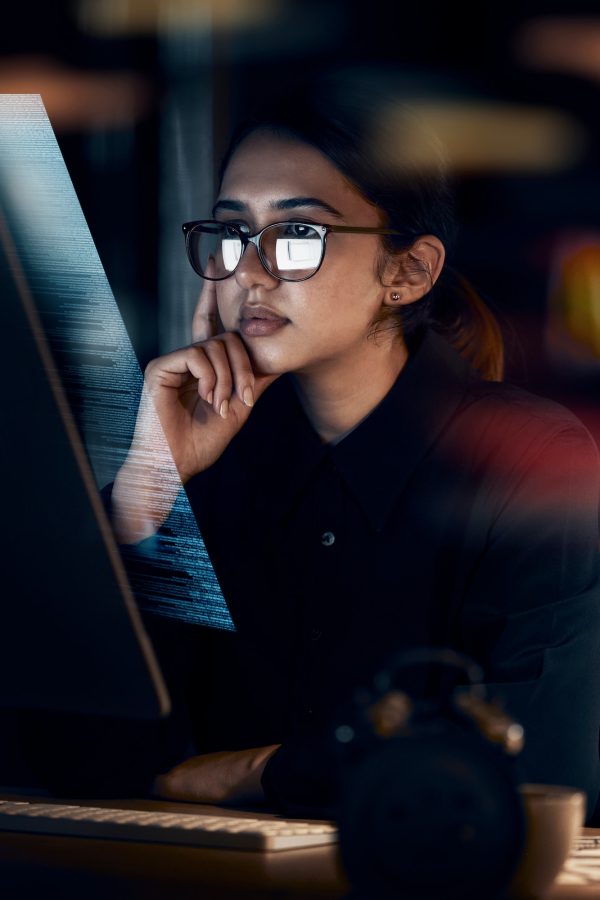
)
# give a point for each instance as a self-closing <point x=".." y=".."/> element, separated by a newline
<point x="251" y="273"/>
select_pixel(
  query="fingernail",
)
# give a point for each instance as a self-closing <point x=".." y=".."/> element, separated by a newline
<point x="248" y="396"/>
<point x="210" y="397"/>
<point x="224" y="409"/>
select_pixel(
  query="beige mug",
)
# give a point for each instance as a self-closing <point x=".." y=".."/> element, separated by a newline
<point x="553" y="814"/>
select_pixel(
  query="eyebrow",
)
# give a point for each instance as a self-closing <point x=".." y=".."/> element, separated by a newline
<point x="288" y="203"/>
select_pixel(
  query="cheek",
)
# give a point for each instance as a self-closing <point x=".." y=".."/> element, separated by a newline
<point x="226" y="307"/>
<point x="351" y="283"/>
<point x="355" y="263"/>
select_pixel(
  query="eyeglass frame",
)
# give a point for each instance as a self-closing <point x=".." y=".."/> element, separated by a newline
<point x="255" y="238"/>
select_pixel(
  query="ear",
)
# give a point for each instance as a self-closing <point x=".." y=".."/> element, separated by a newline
<point x="412" y="274"/>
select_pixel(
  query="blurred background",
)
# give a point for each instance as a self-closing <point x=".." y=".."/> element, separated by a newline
<point x="143" y="95"/>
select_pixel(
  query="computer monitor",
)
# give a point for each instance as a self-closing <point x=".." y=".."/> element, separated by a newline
<point x="72" y="637"/>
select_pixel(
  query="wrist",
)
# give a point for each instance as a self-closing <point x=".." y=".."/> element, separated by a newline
<point x="141" y="501"/>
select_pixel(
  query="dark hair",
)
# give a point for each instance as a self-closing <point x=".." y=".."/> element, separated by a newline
<point x="391" y="156"/>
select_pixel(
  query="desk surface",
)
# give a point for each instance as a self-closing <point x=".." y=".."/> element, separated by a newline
<point x="33" y="865"/>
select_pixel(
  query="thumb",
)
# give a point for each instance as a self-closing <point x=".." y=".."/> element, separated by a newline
<point x="205" y="320"/>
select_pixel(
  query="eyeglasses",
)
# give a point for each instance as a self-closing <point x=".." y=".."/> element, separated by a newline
<point x="289" y="251"/>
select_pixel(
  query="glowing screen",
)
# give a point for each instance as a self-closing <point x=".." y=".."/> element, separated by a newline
<point x="92" y="350"/>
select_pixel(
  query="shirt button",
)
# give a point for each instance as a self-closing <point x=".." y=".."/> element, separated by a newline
<point x="327" y="538"/>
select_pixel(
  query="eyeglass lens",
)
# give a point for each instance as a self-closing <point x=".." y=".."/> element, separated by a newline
<point x="291" y="250"/>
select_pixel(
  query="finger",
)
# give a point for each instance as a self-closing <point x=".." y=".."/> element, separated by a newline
<point x="234" y="371"/>
<point x="174" y="369"/>
<point x="241" y="368"/>
<point x="205" y="320"/>
<point x="219" y="359"/>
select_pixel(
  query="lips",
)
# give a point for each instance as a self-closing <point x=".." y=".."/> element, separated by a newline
<point x="259" y="312"/>
<point x="257" y="321"/>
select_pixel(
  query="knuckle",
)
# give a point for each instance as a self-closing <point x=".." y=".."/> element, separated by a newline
<point x="216" y="346"/>
<point x="232" y="337"/>
<point x="194" y="354"/>
<point x="150" y="369"/>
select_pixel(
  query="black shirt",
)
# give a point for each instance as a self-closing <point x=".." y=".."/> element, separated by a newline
<point x="459" y="513"/>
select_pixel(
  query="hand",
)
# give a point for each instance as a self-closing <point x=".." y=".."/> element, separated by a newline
<point x="204" y="393"/>
<point x="197" y="398"/>
<point x="225" y="777"/>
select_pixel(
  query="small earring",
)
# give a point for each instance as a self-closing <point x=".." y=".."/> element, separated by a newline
<point x="395" y="296"/>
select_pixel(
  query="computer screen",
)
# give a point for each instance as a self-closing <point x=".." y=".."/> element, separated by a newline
<point x="72" y="638"/>
<point x="71" y="632"/>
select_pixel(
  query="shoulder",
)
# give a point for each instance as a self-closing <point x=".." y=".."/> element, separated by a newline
<point x="508" y="400"/>
<point x="518" y="431"/>
<point x="490" y="418"/>
<point x="442" y="365"/>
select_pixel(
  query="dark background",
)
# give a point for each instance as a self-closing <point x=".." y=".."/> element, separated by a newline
<point x="120" y="148"/>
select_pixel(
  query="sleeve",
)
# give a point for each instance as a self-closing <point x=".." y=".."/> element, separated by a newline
<point x="532" y="611"/>
<point x="302" y="776"/>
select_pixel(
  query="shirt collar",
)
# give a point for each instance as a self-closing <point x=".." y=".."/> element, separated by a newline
<point x="377" y="458"/>
<point x="279" y="448"/>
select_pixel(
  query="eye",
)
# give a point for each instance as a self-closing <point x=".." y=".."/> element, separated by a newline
<point x="298" y="230"/>
<point x="232" y="228"/>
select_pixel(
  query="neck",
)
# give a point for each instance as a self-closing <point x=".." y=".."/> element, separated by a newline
<point x="338" y="397"/>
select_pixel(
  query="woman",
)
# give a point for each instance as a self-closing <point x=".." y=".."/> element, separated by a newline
<point x="362" y="483"/>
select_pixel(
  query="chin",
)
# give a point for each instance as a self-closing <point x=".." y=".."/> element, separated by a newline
<point x="268" y="363"/>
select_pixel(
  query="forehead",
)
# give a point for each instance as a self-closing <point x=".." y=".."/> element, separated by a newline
<point x="267" y="167"/>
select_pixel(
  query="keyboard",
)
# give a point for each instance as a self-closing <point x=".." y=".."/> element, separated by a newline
<point x="164" y="827"/>
<point x="583" y="864"/>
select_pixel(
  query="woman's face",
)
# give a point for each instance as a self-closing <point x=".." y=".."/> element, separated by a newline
<point x="322" y="322"/>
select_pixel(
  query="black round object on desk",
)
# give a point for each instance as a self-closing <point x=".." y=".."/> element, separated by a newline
<point x="430" y="811"/>
<point x="431" y="816"/>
